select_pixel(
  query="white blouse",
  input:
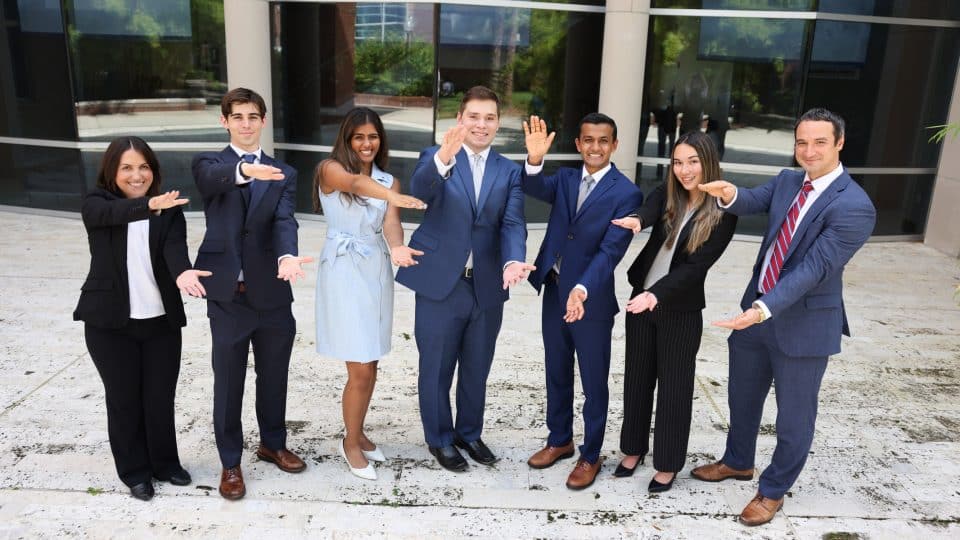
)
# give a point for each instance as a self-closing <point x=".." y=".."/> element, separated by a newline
<point x="145" y="301"/>
<point x="661" y="263"/>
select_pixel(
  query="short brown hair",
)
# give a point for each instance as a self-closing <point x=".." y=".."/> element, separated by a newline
<point x="107" y="176"/>
<point x="240" y="96"/>
<point x="479" y="93"/>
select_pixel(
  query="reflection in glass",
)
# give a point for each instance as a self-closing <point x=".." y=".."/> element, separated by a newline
<point x="765" y="5"/>
<point x="153" y="68"/>
<point x="329" y="58"/>
<point x="540" y="62"/>
<point x="41" y="177"/>
<point x="902" y="201"/>
<point x="737" y="79"/>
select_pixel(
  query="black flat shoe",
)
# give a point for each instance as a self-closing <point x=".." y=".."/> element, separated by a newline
<point x="477" y="451"/>
<point x="657" y="487"/>
<point x="142" y="491"/>
<point x="449" y="458"/>
<point x="178" y="478"/>
<point x="623" y="472"/>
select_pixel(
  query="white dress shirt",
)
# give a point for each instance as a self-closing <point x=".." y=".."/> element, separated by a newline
<point x="239" y="178"/>
<point x="145" y="301"/>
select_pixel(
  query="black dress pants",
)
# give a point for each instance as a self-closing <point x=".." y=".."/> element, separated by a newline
<point x="661" y="355"/>
<point x="139" y="365"/>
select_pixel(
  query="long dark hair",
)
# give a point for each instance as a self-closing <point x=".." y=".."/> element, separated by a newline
<point x="707" y="214"/>
<point x="344" y="155"/>
<point x="107" y="176"/>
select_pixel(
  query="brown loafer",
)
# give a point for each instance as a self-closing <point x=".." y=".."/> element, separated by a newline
<point x="715" y="472"/>
<point x="583" y="474"/>
<point x="549" y="455"/>
<point x="231" y="484"/>
<point x="284" y="459"/>
<point x="760" y="510"/>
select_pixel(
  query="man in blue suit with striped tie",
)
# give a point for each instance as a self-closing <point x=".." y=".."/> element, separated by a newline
<point x="473" y="238"/>
<point x="793" y="313"/>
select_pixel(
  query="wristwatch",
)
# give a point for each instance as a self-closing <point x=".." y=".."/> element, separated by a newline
<point x="763" y="315"/>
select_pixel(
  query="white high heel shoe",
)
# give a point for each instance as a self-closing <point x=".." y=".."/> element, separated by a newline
<point x="367" y="473"/>
<point x="374" y="455"/>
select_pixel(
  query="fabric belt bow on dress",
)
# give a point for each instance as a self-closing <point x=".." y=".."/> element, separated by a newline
<point x="341" y="243"/>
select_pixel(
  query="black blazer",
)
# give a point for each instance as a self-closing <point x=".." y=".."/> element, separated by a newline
<point x="682" y="288"/>
<point x="105" y="296"/>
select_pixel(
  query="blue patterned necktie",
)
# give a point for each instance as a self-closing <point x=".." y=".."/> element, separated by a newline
<point x="257" y="187"/>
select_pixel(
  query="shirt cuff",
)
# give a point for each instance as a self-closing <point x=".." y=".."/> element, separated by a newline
<point x="444" y="169"/>
<point x="532" y="169"/>
<point x="508" y="263"/>
<point x="733" y="200"/>
<point x="763" y="307"/>
<point x="582" y="288"/>
<point x="282" y="257"/>
<point x="239" y="178"/>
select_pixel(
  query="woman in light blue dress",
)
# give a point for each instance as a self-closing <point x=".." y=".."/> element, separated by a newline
<point x="355" y="279"/>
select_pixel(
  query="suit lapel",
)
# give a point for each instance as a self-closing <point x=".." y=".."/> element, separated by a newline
<point x="778" y="215"/>
<point x="602" y="186"/>
<point x="573" y="192"/>
<point x="465" y="177"/>
<point x="489" y="177"/>
<point x="831" y="193"/>
<point x="258" y="191"/>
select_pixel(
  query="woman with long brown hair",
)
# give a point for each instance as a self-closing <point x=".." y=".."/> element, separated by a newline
<point x="355" y="280"/>
<point x="664" y="315"/>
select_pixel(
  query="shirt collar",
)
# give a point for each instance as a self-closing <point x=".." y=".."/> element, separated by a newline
<point x="824" y="181"/>
<point x="240" y="152"/>
<point x="470" y="153"/>
<point x="597" y="175"/>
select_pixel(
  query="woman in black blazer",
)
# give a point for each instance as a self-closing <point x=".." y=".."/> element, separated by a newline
<point x="133" y="311"/>
<point x="664" y="316"/>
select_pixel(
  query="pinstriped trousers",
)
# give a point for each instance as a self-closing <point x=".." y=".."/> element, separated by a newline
<point x="661" y="356"/>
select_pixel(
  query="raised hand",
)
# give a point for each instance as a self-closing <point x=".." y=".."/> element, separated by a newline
<point x="721" y="189"/>
<point x="189" y="282"/>
<point x="404" y="255"/>
<point x="537" y="140"/>
<point x="290" y="268"/>
<point x="575" y="309"/>
<point x="642" y="302"/>
<point x="515" y="273"/>
<point x="746" y="319"/>
<point x="452" y="142"/>
<point x="261" y="171"/>
<point x="405" y="201"/>
<point x="630" y="222"/>
<point x="166" y="200"/>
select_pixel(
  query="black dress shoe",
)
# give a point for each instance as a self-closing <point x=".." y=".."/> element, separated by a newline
<point x="623" y="472"/>
<point x="142" y="491"/>
<point x="477" y="451"/>
<point x="449" y="458"/>
<point x="657" y="487"/>
<point x="180" y="477"/>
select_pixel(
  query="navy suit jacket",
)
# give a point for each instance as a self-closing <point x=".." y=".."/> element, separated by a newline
<point x="807" y="300"/>
<point x="589" y="245"/>
<point x="455" y="223"/>
<point x="245" y="234"/>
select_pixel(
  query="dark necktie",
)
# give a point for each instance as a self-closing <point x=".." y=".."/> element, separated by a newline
<point x="784" y="237"/>
<point x="257" y="187"/>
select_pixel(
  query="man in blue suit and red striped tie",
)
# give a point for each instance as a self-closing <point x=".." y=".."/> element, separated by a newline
<point x="574" y="271"/>
<point x="793" y="314"/>
<point x="473" y="237"/>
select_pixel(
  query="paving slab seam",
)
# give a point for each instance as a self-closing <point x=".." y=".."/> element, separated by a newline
<point x="24" y="397"/>
<point x="713" y="404"/>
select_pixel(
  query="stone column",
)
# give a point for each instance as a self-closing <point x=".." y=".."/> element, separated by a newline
<point x="247" y="28"/>
<point x="943" y="220"/>
<point x="625" y="30"/>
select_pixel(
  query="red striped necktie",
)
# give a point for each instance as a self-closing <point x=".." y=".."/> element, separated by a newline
<point x="784" y="237"/>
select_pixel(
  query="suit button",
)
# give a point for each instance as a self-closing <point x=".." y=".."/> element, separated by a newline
<point x="244" y="233"/>
<point x="570" y="236"/>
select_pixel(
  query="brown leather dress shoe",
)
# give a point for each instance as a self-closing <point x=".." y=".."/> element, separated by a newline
<point x="760" y="510"/>
<point x="583" y="474"/>
<point x="715" y="472"/>
<point x="231" y="484"/>
<point x="284" y="459"/>
<point x="549" y="455"/>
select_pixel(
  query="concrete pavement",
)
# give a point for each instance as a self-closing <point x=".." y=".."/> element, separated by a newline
<point x="884" y="464"/>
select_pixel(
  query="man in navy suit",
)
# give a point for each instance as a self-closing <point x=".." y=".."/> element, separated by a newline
<point x="574" y="269"/>
<point x="793" y="312"/>
<point x="250" y="245"/>
<point x="473" y="238"/>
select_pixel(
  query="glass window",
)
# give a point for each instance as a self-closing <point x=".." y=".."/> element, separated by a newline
<point x="902" y="201"/>
<point x="41" y="177"/>
<point x="329" y="58"/>
<point x="36" y="102"/>
<point x="543" y="62"/>
<point x="931" y="9"/>
<point x="157" y="69"/>
<point x="737" y="79"/>
<point x="889" y="84"/>
<point x="765" y="5"/>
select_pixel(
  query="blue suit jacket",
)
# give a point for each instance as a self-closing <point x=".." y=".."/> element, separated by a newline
<point x="245" y="234"/>
<point x="455" y="223"/>
<point x="588" y="243"/>
<point x="807" y="301"/>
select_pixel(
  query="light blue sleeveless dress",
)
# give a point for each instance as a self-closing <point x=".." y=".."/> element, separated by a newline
<point x="355" y="279"/>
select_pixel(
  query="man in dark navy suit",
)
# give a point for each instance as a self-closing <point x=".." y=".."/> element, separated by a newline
<point x="574" y="270"/>
<point x="793" y="314"/>
<point x="250" y="245"/>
